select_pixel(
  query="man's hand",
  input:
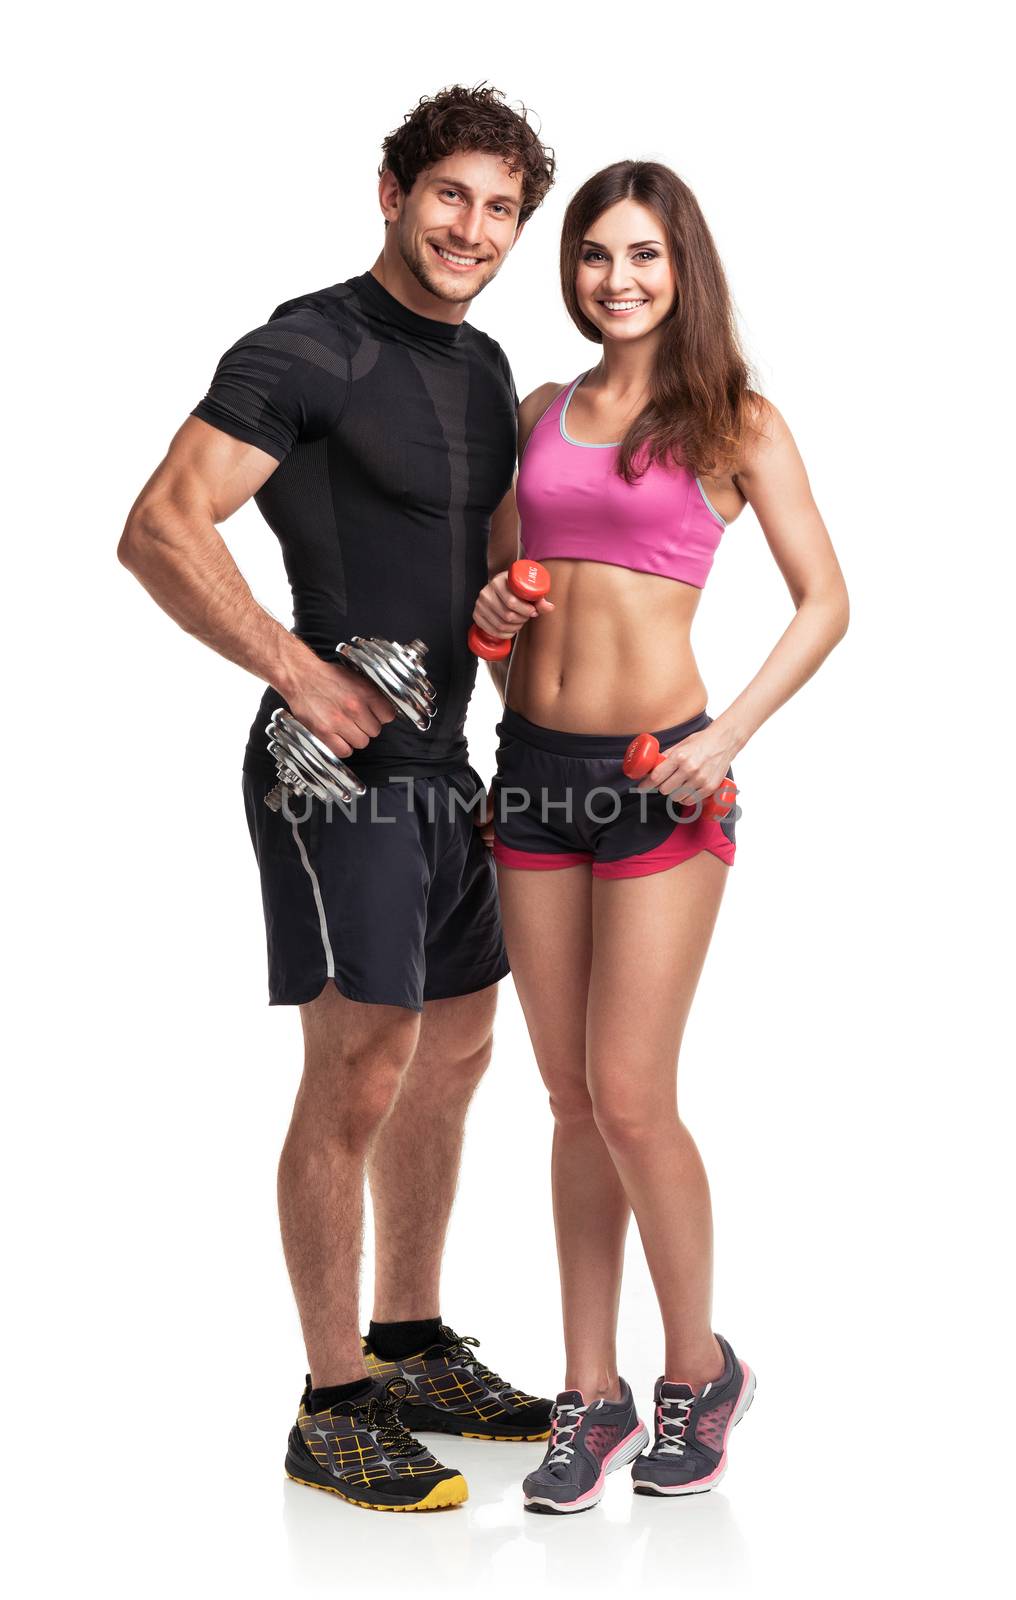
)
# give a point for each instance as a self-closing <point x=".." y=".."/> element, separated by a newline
<point x="342" y="708"/>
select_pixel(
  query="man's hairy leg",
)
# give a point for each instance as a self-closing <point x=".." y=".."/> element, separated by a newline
<point x="354" y="1060"/>
<point x="414" y="1162"/>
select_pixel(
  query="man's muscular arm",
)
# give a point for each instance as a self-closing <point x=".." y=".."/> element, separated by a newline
<point x="172" y="546"/>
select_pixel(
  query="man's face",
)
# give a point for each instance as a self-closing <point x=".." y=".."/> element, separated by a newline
<point x="457" y="224"/>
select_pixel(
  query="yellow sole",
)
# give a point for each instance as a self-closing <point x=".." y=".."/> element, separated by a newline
<point x="451" y="1492"/>
<point x="505" y="1438"/>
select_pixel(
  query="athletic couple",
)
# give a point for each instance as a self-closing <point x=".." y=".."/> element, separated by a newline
<point x="379" y="433"/>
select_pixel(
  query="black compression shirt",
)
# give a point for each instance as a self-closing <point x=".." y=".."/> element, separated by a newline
<point x="396" y="437"/>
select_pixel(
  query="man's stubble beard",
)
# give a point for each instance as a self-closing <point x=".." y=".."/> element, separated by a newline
<point x="419" y="266"/>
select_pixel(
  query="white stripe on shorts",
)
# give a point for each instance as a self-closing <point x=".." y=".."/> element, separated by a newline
<point x="312" y="875"/>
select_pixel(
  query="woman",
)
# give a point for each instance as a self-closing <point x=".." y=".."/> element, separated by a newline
<point x="609" y="888"/>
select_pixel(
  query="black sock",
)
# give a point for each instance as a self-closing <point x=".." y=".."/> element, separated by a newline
<point x="394" y="1340"/>
<point x="324" y="1399"/>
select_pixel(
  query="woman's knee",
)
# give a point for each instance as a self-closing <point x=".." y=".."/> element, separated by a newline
<point x="569" y="1096"/>
<point x="626" y="1118"/>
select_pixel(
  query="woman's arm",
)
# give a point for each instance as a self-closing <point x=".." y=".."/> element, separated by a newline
<point x="773" y="480"/>
<point x="499" y="611"/>
<point x="502" y="550"/>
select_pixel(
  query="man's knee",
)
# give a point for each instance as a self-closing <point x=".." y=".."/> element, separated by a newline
<point x="472" y="1064"/>
<point x="456" y="1044"/>
<point x="352" y="1079"/>
<point x="452" y="1073"/>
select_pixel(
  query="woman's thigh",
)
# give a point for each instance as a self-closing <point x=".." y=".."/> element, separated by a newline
<point x="651" y="935"/>
<point x="546" y="918"/>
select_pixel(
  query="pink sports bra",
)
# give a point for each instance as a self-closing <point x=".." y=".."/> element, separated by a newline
<point x="572" y="502"/>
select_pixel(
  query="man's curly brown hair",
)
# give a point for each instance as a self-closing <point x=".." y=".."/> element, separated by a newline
<point x="470" y="119"/>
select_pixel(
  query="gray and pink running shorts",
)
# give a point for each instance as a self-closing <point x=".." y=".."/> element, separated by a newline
<point x="562" y="800"/>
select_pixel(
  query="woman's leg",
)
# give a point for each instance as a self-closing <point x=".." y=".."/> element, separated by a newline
<point x="547" y="928"/>
<point x="650" y="937"/>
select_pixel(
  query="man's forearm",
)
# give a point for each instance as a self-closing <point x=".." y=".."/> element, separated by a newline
<point x="186" y="567"/>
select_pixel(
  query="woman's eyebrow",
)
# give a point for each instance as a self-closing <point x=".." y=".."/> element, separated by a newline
<point x="639" y="245"/>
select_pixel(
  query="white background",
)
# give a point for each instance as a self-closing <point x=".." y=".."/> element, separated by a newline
<point x="178" y="171"/>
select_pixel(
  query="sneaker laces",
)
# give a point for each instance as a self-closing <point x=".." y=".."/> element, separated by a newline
<point x="383" y="1422"/>
<point x="565" y="1424"/>
<point x="461" y="1348"/>
<point x="675" y="1415"/>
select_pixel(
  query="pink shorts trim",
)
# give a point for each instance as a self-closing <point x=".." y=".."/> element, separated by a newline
<point x="686" y="840"/>
<point x="539" y="860"/>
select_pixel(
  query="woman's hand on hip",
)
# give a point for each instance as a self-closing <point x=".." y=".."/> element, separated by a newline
<point x="693" y="769"/>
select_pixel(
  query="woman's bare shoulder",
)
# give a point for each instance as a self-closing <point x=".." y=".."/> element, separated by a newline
<point x="531" y="409"/>
<point x="537" y="401"/>
<point x="766" y="432"/>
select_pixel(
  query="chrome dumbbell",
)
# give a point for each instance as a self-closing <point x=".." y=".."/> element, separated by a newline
<point x="305" y="765"/>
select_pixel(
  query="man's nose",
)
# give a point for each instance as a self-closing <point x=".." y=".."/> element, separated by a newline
<point x="470" y="225"/>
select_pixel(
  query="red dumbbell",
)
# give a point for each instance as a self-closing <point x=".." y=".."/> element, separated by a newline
<point x="527" y="580"/>
<point x="641" y="757"/>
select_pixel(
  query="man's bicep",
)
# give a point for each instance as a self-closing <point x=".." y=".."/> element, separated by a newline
<point x="208" y="472"/>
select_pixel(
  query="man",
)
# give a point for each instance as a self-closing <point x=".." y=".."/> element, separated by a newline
<point x="376" y="431"/>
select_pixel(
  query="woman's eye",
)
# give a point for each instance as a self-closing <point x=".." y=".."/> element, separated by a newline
<point x="593" y="255"/>
<point x="647" y="255"/>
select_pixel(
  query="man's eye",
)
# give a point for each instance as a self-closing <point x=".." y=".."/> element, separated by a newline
<point x="455" y="192"/>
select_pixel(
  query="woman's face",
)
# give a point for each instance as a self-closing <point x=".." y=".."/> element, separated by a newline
<point x="625" y="280"/>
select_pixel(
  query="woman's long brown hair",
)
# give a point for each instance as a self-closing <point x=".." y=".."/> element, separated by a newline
<point x="702" y="401"/>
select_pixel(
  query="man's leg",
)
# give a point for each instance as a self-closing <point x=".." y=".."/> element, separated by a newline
<point x="413" y="1163"/>
<point x="355" y="1057"/>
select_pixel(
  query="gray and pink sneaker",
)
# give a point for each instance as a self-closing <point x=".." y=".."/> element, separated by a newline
<point x="690" y="1451"/>
<point x="588" y="1439"/>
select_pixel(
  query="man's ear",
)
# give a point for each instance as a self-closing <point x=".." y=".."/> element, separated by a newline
<point x="518" y="233"/>
<point x="389" y="195"/>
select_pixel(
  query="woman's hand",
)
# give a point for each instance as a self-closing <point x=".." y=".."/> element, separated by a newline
<point x="483" y="819"/>
<point x="693" y="769"/>
<point x="501" y="613"/>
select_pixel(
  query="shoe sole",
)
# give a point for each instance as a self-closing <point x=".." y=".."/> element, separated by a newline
<point x="428" y="1419"/>
<point x="449" y="1492"/>
<point x="620" y="1456"/>
<point x="664" y="1491"/>
<point x="441" y="1498"/>
<point x="501" y="1438"/>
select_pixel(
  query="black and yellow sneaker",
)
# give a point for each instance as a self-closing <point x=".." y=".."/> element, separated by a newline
<point x="360" y="1450"/>
<point x="451" y="1391"/>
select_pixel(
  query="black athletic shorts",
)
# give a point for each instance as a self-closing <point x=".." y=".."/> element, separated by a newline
<point x="563" y="800"/>
<point x="393" y="897"/>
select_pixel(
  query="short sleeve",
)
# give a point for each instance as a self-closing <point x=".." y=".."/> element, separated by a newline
<point x="509" y="379"/>
<point x="280" y="384"/>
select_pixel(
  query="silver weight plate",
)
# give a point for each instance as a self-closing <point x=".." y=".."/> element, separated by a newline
<point x="305" y="765"/>
<point x="397" y="670"/>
